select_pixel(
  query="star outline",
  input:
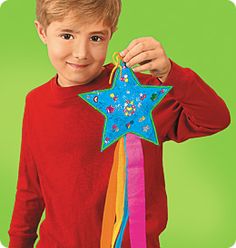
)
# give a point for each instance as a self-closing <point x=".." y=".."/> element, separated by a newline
<point x="116" y="77"/>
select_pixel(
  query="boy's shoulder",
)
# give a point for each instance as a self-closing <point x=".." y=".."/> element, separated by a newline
<point x="40" y="92"/>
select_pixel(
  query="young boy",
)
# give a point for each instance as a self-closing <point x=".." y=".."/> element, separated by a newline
<point x="61" y="167"/>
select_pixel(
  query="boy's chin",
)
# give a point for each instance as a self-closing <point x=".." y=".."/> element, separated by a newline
<point x="78" y="77"/>
<point x="73" y="81"/>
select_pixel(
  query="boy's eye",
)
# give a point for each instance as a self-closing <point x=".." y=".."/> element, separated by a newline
<point x="67" y="36"/>
<point x="96" y="38"/>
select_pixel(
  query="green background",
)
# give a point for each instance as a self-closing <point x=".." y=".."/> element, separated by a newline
<point x="199" y="173"/>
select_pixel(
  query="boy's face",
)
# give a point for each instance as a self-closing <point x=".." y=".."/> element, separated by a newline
<point x="77" y="55"/>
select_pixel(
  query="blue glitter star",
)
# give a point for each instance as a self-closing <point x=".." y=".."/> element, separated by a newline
<point x="127" y="107"/>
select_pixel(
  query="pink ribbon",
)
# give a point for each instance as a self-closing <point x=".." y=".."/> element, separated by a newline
<point x="136" y="191"/>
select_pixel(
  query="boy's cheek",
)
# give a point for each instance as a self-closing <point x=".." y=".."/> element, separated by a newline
<point x="101" y="54"/>
<point x="56" y="50"/>
<point x="102" y="60"/>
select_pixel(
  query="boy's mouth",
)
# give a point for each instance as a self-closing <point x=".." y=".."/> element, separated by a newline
<point x="77" y="66"/>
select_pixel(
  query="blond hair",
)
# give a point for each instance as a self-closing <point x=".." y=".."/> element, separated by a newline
<point x="107" y="11"/>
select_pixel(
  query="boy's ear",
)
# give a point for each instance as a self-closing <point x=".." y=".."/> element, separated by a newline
<point x="113" y="31"/>
<point x="41" y="32"/>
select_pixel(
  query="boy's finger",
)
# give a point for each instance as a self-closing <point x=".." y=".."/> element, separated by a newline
<point x="146" y="67"/>
<point x="133" y="52"/>
<point x="124" y="52"/>
<point x="134" y="42"/>
<point x="143" y="58"/>
<point x="148" y="42"/>
<point x="139" y="48"/>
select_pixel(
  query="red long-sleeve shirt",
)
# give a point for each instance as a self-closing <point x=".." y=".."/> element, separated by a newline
<point x="62" y="170"/>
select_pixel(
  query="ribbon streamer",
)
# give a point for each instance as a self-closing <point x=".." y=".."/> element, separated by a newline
<point x="110" y="202"/>
<point x="120" y="197"/>
<point x="127" y="107"/>
<point x="126" y="214"/>
<point x="136" y="191"/>
<point x="125" y="194"/>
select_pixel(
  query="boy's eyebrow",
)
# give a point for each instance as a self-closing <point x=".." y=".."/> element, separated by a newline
<point x="104" y="32"/>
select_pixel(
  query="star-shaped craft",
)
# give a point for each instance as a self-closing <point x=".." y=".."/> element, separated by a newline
<point x="127" y="106"/>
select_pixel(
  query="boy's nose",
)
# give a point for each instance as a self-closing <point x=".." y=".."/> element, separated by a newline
<point x="80" y="50"/>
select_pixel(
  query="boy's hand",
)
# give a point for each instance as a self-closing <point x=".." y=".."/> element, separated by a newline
<point x="150" y="55"/>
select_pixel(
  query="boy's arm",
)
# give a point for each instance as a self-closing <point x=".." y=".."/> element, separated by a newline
<point x="29" y="204"/>
<point x="195" y="109"/>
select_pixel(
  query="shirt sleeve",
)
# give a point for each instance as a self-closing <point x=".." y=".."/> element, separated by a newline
<point x="29" y="203"/>
<point x="194" y="108"/>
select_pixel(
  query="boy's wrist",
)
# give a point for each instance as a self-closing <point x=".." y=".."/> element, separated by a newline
<point x="164" y="75"/>
<point x="163" y="78"/>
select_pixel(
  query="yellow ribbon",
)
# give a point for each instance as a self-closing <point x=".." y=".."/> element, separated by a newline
<point x="116" y="59"/>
